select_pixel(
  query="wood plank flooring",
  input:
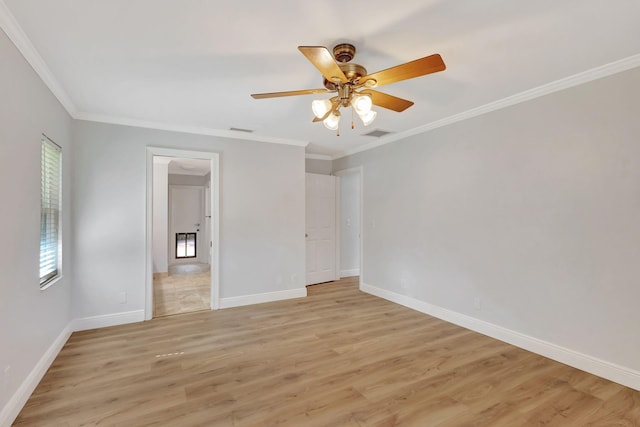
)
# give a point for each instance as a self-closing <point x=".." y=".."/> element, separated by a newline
<point x="186" y="289"/>
<point x="336" y="358"/>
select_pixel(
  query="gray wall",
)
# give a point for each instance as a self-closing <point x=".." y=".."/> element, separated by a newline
<point x="31" y="320"/>
<point x="261" y="218"/>
<point x="320" y="166"/>
<point x="179" y="179"/>
<point x="349" y="224"/>
<point x="526" y="217"/>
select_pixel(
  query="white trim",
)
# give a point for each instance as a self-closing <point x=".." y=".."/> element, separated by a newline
<point x="555" y="86"/>
<point x="20" y="397"/>
<point x="593" y="365"/>
<point x="15" y="33"/>
<point x="214" y="185"/>
<point x="106" y="320"/>
<point x="261" y="298"/>
<point x="197" y="130"/>
<point x="312" y="156"/>
<point x="349" y="273"/>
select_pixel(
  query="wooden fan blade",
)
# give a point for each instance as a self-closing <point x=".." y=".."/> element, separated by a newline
<point x="289" y="93"/>
<point x="322" y="59"/>
<point x="385" y="100"/>
<point x="419" y="67"/>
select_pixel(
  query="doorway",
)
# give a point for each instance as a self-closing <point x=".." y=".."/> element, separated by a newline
<point x="182" y="231"/>
<point x="321" y="240"/>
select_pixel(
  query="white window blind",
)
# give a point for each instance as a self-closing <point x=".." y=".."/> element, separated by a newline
<point x="50" y="190"/>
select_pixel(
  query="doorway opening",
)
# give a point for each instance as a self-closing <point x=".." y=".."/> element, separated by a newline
<point x="182" y="232"/>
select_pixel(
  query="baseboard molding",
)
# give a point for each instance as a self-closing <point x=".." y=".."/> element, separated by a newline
<point x="105" y="320"/>
<point x="260" y="298"/>
<point x="20" y="397"/>
<point x="349" y="273"/>
<point x="602" y="368"/>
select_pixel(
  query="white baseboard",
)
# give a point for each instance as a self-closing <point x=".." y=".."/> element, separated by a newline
<point x="349" y="273"/>
<point x="105" y="320"/>
<point x="260" y="298"/>
<point x="593" y="365"/>
<point x="20" y="397"/>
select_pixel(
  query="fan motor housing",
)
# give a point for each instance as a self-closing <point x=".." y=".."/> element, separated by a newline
<point x="351" y="71"/>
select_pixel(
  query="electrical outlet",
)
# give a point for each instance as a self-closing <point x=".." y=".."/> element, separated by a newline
<point x="294" y="278"/>
<point x="123" y="297"/>
<point x="477" y="303"/>
<point x="7" y="374"/>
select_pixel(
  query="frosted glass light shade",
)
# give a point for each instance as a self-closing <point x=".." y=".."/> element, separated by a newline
<point x="368" y="118"/>
<point x="320" y="107"/>
<point x="332" y="121"/>
<point x="362" y="104"/>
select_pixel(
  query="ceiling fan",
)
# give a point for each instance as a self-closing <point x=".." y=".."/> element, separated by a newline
<point x="353" y="85"/>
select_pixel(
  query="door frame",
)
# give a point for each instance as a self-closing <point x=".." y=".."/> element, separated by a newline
<point x="360" y="171"/>
<point x="214" y="261"/>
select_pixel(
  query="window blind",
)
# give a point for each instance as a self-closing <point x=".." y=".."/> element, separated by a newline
<point x="50" y="191"/>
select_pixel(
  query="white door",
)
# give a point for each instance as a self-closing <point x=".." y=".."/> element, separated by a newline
<point x="321" y="228"/>
<point x="186" y="224"/>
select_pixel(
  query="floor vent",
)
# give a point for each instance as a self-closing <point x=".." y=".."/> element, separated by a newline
<point x="241" y="130"/>
<point x="378" y="133"/>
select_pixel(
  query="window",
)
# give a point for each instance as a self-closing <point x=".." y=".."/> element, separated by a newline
<point x="50" y="206"/>
<point x="185" y="245"/>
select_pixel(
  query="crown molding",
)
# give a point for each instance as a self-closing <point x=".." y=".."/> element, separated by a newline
<point x="10" y="26"/>
<point x="15" y="33"/>
<point x="90" y="117"/>
<point x="555" y="86"/>
<point x="312" y="156"/>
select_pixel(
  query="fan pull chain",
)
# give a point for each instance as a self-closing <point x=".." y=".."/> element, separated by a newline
<point x="353" y="125"/>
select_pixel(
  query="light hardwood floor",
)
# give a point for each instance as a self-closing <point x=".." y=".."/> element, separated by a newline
<point x="336" y="358"/>
<point x="186" y="289"/>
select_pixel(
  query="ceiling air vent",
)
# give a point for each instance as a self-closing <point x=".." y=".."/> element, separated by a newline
<point x="378" y="133"/>
<point x="241" y="130"/>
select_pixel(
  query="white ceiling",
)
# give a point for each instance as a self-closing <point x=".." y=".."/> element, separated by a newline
<point x="192" y="64"/>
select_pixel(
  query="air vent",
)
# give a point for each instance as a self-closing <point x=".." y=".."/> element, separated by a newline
<point x="378" y="133"/>
<point x="241" y="130"/>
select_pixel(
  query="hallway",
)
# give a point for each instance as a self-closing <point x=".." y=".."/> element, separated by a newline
<point x="186" y="288"/>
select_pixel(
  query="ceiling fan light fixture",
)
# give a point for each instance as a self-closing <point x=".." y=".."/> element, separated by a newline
<point x="368" y="117"/>
<point x="320" y="107"/>
<point x="361" y="103"/>
<point x="346" y="79"/>
<point x="332" y="121"/>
